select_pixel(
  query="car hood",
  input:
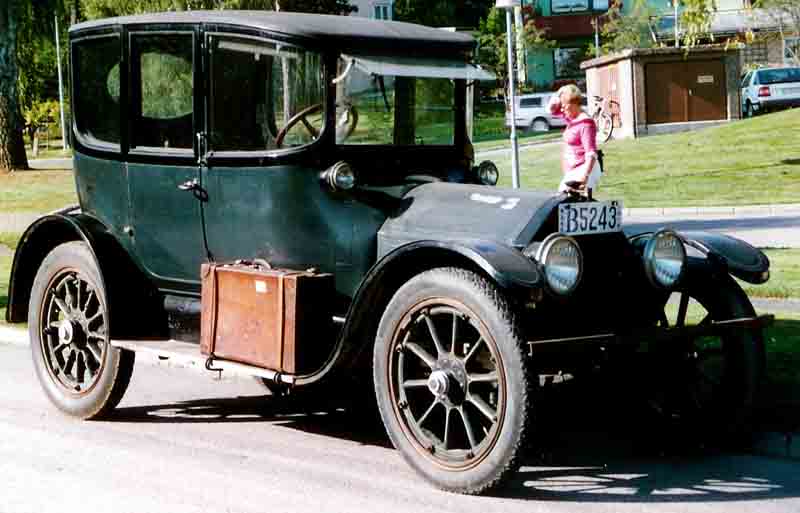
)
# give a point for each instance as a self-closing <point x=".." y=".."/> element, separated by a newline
<point x="447" y="211"/>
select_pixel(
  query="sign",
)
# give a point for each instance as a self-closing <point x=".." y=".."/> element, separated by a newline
<point x="508" y="4"/>
<point x="705" y="79"/>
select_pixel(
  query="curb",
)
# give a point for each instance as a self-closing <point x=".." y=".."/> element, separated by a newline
<point x="737" y="211"/>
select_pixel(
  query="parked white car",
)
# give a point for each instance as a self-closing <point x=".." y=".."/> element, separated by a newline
<point x="532" y="113"/>
<point x="770" y="88"/>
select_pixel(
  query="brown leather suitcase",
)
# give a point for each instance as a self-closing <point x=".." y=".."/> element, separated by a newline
<point x="276" y="319"/>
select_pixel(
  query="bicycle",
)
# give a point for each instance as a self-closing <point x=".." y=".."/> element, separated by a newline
<point x="603" y="117"/>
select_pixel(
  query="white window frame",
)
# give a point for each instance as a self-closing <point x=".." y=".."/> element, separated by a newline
<point x="382" y="11"/>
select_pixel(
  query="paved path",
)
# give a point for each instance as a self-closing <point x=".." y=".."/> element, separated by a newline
<point x="182" y="442"/>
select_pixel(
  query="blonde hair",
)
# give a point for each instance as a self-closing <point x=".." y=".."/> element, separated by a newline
<point x="572" y="93"/>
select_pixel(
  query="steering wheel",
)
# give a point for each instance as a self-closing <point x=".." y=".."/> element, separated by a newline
<point x="349" y="122"/>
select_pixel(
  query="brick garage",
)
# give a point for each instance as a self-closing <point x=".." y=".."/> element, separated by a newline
<point x="663" y="90"/>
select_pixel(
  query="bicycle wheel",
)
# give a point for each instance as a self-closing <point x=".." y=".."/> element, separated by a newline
<point x="605" y="126"/>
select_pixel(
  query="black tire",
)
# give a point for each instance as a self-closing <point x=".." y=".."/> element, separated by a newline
<point x="748" y="110"/>
<point x="68" y="322"/>
<point x="539" y="125"/>
<point x="488" y="386"/>
<point x="711" y="384"/>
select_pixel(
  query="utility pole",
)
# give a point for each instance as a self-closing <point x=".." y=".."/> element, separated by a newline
<point x="508" y="6"/>
<point x="60" y="88"/>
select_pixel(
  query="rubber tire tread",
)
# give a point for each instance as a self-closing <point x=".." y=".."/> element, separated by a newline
<point x="119" y="363"/>
<point x="485" y="291"/>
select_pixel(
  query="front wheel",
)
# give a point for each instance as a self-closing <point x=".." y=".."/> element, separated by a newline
<point x="710" y="383"/>
<point x="451" y="380"/>
<point x="68" y="324"/>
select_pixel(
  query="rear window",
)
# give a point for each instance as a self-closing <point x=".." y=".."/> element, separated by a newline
<point x="530" y="102"/>
<point x="96" y="73"/>
<point x="778" y="76"/>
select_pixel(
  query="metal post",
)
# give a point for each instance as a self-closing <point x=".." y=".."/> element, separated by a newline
<point x="60" y="88"/>
<point x="512" y="101"/>
<point x="596" y="36"/>
<point x="675" y="7"/>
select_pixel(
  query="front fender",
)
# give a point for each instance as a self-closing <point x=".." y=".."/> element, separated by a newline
<point x="739" y="258"/>
<point x="39" y="239"/>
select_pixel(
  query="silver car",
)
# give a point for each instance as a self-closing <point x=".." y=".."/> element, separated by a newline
<point x="533" y="114"/>
<point x="769" y="89"/>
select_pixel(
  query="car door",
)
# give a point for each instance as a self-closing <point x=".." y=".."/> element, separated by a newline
<point x="266" y="108"/>
<point x="162" y="163"/>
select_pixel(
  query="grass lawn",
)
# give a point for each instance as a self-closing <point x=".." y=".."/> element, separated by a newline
<point x="784" y="279"/>
<point x="9" y="239"/>
<point x="36" y="191"/>
<point x="747" y="162"/>
<point x="55" y="152"/>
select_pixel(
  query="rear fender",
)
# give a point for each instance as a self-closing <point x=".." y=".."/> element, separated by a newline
<point x="132" y="298"/>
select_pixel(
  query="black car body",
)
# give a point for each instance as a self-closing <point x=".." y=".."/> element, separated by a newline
<point x="341" y="144"/>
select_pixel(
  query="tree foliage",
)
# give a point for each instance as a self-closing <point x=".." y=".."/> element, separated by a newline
<point x="107" y="8"/>
<point x="632" y="30"/>
<point x="12" y="149"/>
<point x="441" y="13"/>
<point x="695" y="20"/>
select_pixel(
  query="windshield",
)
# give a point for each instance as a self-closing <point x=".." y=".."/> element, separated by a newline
<point x="778" y="76"/>
<point x="388" y="109"/>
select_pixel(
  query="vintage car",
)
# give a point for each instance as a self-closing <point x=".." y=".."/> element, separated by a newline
<point x="339" y="146"/>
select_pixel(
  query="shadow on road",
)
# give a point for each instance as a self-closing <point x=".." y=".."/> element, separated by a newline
<point x="594" y="443"/>
<point x="716" y="224"/>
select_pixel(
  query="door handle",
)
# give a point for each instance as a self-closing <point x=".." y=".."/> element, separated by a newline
<point x="190" y="185"/>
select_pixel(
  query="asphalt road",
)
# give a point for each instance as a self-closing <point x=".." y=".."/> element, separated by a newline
<point x="764" y="231"/>
<point x="182" y="442"/>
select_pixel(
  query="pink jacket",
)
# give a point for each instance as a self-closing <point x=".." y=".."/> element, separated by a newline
<point x="579" y="139"/>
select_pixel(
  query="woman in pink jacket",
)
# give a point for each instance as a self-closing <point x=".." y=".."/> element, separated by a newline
<point x="579" y="156"/>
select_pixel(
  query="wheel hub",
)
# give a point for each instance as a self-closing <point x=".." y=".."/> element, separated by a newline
<point x="66" y="332"/>
<point x="438" y="383"/>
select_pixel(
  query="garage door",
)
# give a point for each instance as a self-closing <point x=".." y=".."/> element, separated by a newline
<point x="685" y="91"/>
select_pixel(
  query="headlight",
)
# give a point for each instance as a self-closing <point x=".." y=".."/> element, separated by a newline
<point x="561" y="258"/>
<point x="664" y="259"/>
<point x="488" y="173"/>
<point x="340" y="177"/>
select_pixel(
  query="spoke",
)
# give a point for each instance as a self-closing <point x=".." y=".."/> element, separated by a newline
<point x="94" y="317"/>
<point x="427" y="412"/>
<point x="59" y="348"/>
<point x="96" y="334"/>
<point x="467" y="427"/>
<point x="473" y="350"/>
<point x="311" y="130"/>
<point x="412" y="383"/>
<point x="682" y="307"/>
<point x="423" y="355"/>
<point x="455" y="331"/>
<point x="434" y="335"/>
<point x="484" y="408"/>
<point x="77" y="294"/>
<point x="446" y="427"/>
<point x="489" y="377"/>
<point x="70" y="362"/>
<point x="95" y="352"/>
<point x="68" y="295"/>
<point x="88" y="300"/>
<point x="62" y="306"/>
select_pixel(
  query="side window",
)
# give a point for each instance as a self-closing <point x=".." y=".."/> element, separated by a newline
<point x="531" y="102"/>
<point x="755" y="79"/>
<point x="96" y="74"/>
<point x="264" y="96"/>
<point x="745" y="80"/>
<point x="163" y="97"/>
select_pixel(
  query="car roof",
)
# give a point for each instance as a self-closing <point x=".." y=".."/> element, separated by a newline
<point x="352" y="34"/>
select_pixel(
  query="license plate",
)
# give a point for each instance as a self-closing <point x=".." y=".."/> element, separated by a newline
<point x="594" y="217"/>
<point x="787" y="91"/>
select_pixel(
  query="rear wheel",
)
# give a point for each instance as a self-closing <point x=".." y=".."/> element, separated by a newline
<point x="748" y="110"/>
<point x="540" y="125"/>
<point x="710" y="382"/>
<point x="605" y="127"/>
<point x="68" y="324"/>
<point x="451" y="380"/>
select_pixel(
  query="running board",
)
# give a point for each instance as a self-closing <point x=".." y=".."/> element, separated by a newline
<point x="189" y="353"/>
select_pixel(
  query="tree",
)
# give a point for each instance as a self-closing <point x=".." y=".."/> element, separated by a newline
<point x="107" y="8"/>
<point x="696" y="20"/>
<point x="441" y="13"/>
<point x="632" y="30"/>
<point x="12" y="147"/>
